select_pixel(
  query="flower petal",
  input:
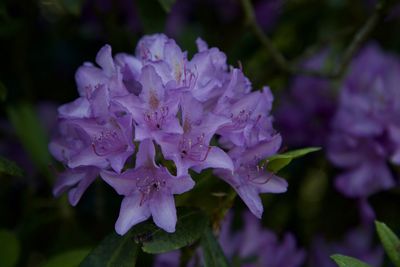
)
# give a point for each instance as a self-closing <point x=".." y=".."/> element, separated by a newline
<point x="105" y="60"/>
<point x="162" y="207"/>
<point x="131" y="213"/>
<point x="181" y="184"/>
<point x="124" y="183"/>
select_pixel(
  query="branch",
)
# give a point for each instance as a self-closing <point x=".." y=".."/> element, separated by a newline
<point x="358" y="39"/>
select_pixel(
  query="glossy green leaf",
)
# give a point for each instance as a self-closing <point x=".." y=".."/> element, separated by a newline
<point x="212" y="252"/>
<point x="31" y="134"/>
<point x="191" y="224"/>
<point x="390" y="242"/>
<point x="113" y="251"/>
<point x="346" y="261"/>
<point x="67" y="259"/>
<point x="10" y="167"/>
<point x="279" y="161"/>
<point x="10" y="249"/>
<point x="167" y="4"/>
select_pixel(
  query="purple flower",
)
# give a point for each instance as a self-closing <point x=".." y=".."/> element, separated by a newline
<point x="249" y="179"/>
<point x="153" y="110"/>
<point x="261" y="245"/>
<point x="75" y="181"/>
<point x="306" y="111"/>
<point x="250" y="246"/>
<point x="193" y="149"/>
<point x="364" y="128"/>
<point x="161" y="97"/>
<point x="85" y="142"/>
<point x="148" y="191"/>
<point x="357" y="243"/>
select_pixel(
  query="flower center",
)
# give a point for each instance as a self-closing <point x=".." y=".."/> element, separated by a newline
<point x="156" y="119"/>
<point x="189" y="78"/>
<point x="148" y="185"/>
<point x="195" y="150"/>
<point x="255" y="173"/>
<point x="109" y="141"/>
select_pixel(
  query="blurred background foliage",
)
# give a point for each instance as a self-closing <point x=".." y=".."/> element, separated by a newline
<point x="44" y="42"/>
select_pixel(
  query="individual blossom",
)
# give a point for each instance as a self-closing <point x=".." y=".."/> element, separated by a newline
<point x="364" y="128"/>
<point x="148" y="190"/>
<point x="198" y="112"/>
<point x="249" y="178"/>
<point x="193" y="149"/>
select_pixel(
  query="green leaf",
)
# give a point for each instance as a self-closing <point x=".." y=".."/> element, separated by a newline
<point x="67" y="259"/>
<point x="3" y="92"/>
<point x="10" y="248"/>
<point x="31" y="134"/>
<point x="191" y="224"/>
<point x="279" y="161"/>
<point x="212" y="252"/>
<point x="113" y="251"/>
<point x="167" y="4"/>
<point x="10" y="167"/>
<point x="390" y="242"/>
<point x="346" y="261"/>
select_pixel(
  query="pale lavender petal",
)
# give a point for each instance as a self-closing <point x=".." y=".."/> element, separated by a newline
<point x="263" y="150"/>
<point x="100" y="100"/>
<point x="162" y="207"/>
<point x="146" y="154"/>
<point x="87" y="157"/>
<point x="79" y="108"/>
<point x="75" y="194"/>
<point x="131" y="213"/>
<point x="216" y="158"/>
<point x="270" y="183"/>
<point x="87" y="78"/>
<point x="250" y="197"/>
<point x="117" y="161"/>
<point x="105" y="61"/>
<point x="181" y="184"/>
<point x="152" y="88"/>
<point x="124" y="184"/>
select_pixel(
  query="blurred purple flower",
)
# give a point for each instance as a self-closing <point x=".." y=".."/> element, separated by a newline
<point x="256" y="246"/>
<point x="363" y="137"/>
<point x="305" y="113"/>
<point x="357" y="243"/>
<point x="248" y="247"/>
<point x="267" y="12"/>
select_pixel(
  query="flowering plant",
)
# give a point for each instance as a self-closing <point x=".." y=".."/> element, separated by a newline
<point x="177" y="153"/>
<point x="160" y="98"/>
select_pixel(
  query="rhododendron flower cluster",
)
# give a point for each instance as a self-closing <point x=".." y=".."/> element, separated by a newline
<point x="366" y="126"/>
<point x="159" y="105"/>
